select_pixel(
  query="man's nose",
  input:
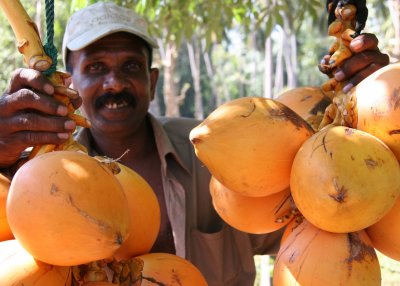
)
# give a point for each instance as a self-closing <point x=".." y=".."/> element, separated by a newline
<point x="115" y="81"/>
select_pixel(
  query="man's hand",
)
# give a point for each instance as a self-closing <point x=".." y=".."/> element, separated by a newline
<point x="30" y="116"/>
<point x="367" y="59"/>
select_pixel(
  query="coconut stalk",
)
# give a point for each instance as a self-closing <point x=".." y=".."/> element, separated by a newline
<point x="342" y="111"/>
<point x="30" y="46"/>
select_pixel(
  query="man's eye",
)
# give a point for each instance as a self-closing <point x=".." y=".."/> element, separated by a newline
<point x="95" y="67"/>
<point x="133" y="66"/>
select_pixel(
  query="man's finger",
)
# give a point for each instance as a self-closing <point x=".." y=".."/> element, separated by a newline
<point x="364" y="42"/>
<point x="32" y="79"/>
<point x="34" y="122"/>
<point x="362" y="74"/>
<point x="359" y="62"/>
<point x="27" y="99"/>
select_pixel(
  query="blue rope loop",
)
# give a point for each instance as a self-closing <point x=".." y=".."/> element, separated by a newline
<point x="49" y="46"/>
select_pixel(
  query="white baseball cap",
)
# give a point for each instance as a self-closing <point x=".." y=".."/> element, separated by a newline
<point x="99" y="20"/>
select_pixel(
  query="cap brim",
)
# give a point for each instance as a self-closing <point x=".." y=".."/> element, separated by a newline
<point x="93" y="35"/>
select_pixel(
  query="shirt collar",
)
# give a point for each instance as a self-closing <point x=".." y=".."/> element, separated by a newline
<point x="166" y="151"/>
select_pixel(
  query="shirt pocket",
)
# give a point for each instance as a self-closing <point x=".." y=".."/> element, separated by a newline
<point x="224" y="257"/>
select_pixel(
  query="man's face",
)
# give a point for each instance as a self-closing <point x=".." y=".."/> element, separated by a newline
<point x="115" y="82"/>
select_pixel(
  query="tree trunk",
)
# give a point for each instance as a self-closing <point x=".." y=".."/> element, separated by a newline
<point x="170" y="89"/>
<point x="289" y="65"/>
<point x="211" y="75"/>
<point x="293" y="50"/>
<point x="253" y="51"/>
<point x="290" y="53"/>
<point x="278" y="84"/>
<point x="268" y="72"/>
<point x="194" y="60"/>
<point x="242" y="82"/>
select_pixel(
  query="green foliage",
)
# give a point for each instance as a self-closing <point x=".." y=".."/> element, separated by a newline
<point x="79" y="4"/>
<point x="272" y="13"/>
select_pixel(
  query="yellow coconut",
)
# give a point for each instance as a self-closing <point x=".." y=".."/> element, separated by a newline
<point x="66" y="208"/>
<point x="169" y="269"/>
<point x="249" y="144"/>
<point x="5" y="231"/>
<point x="385" y="233"/>
<point x="251" y="214"/>
<point x="378" y="103"/>
<point x="18" y="267"/>
<point x="311" y="256"/>
<point x="291" y="226"/>
<point x="145" y="214"/>
<point x="344" y="179"/>
<point x="309" y="102"/>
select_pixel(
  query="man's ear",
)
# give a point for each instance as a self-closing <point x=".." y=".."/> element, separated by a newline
<point x="154" y="73"/>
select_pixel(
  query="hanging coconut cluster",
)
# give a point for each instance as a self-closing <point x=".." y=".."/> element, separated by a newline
<point x="321" y="162"/>
<point x="69" y="219"/>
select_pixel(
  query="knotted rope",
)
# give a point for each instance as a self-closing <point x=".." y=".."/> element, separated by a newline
<point x="49" y="46"/>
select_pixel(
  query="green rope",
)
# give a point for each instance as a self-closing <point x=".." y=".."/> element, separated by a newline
<point x="49" y="46"/>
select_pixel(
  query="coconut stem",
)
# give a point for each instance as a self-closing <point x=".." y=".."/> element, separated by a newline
<point x="342" y="110"/>
<point x="26" y="33"/>
<point x="30" y="46"/>
<point x="127" y="272"/>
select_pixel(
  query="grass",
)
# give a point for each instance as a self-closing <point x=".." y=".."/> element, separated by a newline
<point x="390" y="270"/>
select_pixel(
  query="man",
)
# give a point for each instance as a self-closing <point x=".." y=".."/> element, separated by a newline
<point x="108" y="52"/>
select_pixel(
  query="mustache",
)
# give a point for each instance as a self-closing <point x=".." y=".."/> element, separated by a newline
<point x="108" y="97"/>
